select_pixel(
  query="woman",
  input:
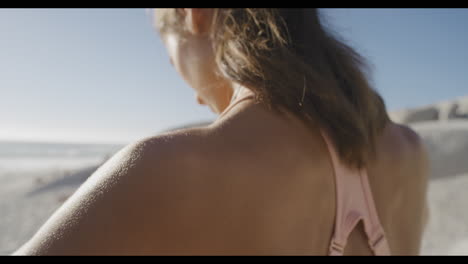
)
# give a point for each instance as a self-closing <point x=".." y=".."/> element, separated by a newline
<point x="302" y="160"/>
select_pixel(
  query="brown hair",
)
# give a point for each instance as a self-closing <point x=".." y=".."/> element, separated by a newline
<point x="292" y="63"/>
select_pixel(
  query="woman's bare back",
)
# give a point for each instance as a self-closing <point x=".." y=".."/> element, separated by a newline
<point x="280" y="171"/>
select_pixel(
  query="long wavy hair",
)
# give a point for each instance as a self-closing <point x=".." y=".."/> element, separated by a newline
<point x="293" y="63"/>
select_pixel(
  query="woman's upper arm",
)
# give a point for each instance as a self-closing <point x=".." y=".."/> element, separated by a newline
<point x="119" y="208"/>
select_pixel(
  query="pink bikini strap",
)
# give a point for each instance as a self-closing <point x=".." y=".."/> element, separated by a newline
<point x="354" y="203"/>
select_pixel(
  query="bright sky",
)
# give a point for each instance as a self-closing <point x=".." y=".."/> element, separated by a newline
<point x="102" y="75"/>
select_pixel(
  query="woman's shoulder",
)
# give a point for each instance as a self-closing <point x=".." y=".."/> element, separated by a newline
<point x="411" y="143"/>
<point x="410" y="135"/>
<point x="129" y="203"/>
<point x="175" y="151"/>
<point x="181" y="143"/>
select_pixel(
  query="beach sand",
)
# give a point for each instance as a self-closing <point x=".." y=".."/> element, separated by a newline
<point x="27" y="201"/>
<point x="447" y="145"/>
<point x="447" y="230"/>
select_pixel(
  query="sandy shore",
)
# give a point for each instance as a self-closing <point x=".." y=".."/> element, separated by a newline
<point x="27" y="201"/>
<point x="447" y="231"/>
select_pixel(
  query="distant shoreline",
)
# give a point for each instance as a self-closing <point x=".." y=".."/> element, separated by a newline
<point x="39" y="142"/>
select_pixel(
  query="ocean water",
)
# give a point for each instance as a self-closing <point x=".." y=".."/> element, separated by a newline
<point x="32" y="157"/>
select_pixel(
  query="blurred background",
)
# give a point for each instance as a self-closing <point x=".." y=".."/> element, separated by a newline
<point x="76" y="85"/>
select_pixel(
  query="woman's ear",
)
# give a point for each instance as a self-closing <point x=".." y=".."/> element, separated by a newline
<point x="198" y="20"/>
